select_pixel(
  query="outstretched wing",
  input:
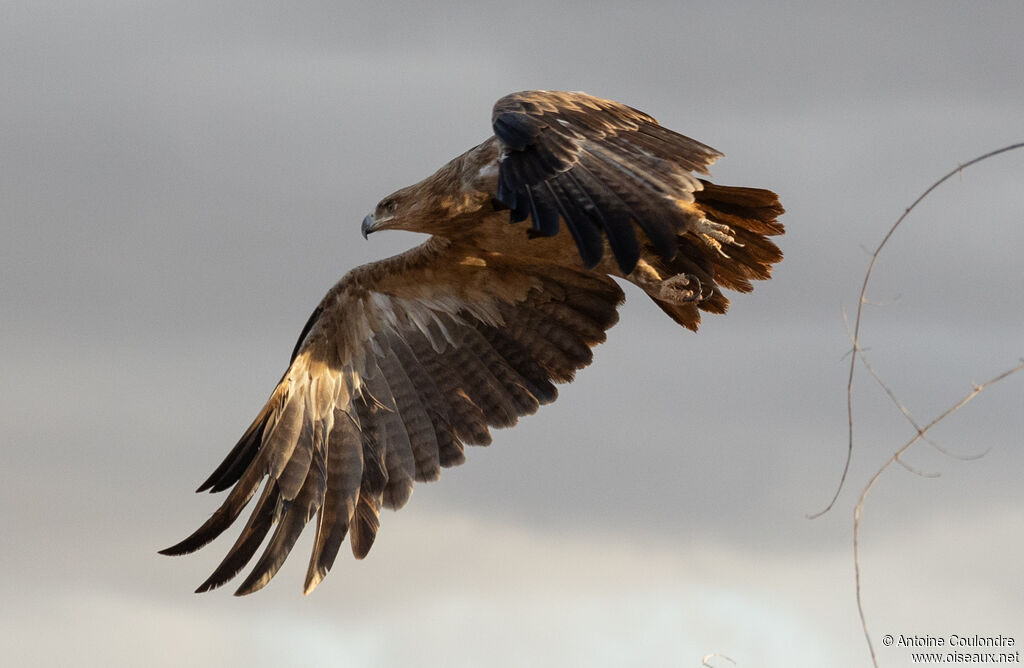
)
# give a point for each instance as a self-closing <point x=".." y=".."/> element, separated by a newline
<point x="403" y="363"/>
<point x="598" y="165"/>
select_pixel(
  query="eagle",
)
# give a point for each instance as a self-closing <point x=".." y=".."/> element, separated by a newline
<point x="407" y="360"/>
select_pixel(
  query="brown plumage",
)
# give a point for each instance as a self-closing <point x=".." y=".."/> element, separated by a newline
<point x="409" y="359"/>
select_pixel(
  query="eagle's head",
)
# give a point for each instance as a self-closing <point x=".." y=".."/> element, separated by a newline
<point x="405" y="209"/>
<point x="442" y="203"/>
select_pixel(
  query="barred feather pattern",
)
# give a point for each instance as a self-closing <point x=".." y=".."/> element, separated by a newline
<point x="387" y="385"/>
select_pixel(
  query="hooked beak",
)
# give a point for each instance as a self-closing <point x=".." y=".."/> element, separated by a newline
<point x="369" y="225"/>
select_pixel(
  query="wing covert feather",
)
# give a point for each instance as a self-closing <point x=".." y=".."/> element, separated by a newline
<point x="600" y="166"/>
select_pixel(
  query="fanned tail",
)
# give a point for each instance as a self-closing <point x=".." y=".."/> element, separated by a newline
<point x="751" y="216"/>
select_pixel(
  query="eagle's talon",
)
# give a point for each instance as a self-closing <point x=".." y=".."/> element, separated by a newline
<point x="715" y="235"/>
<point x="676" y="289"/>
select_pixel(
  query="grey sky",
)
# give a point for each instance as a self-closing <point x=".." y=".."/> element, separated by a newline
<point x="181" y="183"/>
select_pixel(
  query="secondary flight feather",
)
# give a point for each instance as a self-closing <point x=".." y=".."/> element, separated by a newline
<point x="409" y="359"/>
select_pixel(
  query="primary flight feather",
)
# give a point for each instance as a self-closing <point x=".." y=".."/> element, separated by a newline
<point x="407" y="360"/>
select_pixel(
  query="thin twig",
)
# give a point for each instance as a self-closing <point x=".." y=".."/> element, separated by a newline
<point x="855" y="352"/>
<point x="858" y="510"/>
<point x="860" y="309"/>
<point x="906" y="412"/>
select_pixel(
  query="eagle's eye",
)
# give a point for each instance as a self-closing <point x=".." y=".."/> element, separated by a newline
<point x="388" y="206"/>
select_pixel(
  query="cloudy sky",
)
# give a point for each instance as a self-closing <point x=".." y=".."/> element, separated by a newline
<point x="181" y="182"/>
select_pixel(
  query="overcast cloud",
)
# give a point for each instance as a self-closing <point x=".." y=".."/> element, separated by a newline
<point x="181" y="183"/>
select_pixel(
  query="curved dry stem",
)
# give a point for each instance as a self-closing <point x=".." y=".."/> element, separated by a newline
<point x="856" y="350"/>
<point x="916" y="471"/>
<point x="858" y="510"/>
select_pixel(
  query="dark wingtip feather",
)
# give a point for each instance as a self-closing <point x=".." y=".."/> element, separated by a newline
<point x="248" y="541"/>
<point x="234" y="465"/>
<point x="197" y="539"/>
<point x="174" y="550"/>
<point x="222" y="518"/>
<point x="187" y="546"/>
<point x="251" y="586"/>
<point x="281" y="543"/>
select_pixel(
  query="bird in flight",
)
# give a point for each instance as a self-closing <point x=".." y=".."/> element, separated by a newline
<point x="409" y="359"/>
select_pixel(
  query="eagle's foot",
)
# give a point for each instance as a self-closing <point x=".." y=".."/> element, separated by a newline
<point x="678" y="289"/>
<point x="715" y="235"/>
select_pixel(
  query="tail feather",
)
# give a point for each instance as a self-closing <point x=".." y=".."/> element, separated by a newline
<point x="752" y="215"/>
<point x="754" y="209"/>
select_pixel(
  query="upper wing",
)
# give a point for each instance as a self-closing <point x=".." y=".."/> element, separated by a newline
<point x="402" y="363"/>
<point x="598" y="165"/>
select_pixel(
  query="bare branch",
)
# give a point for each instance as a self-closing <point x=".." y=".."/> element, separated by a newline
<point x="858" y="510"/>
<point x="857" y="352"/>
<point x="916" y="471"/>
